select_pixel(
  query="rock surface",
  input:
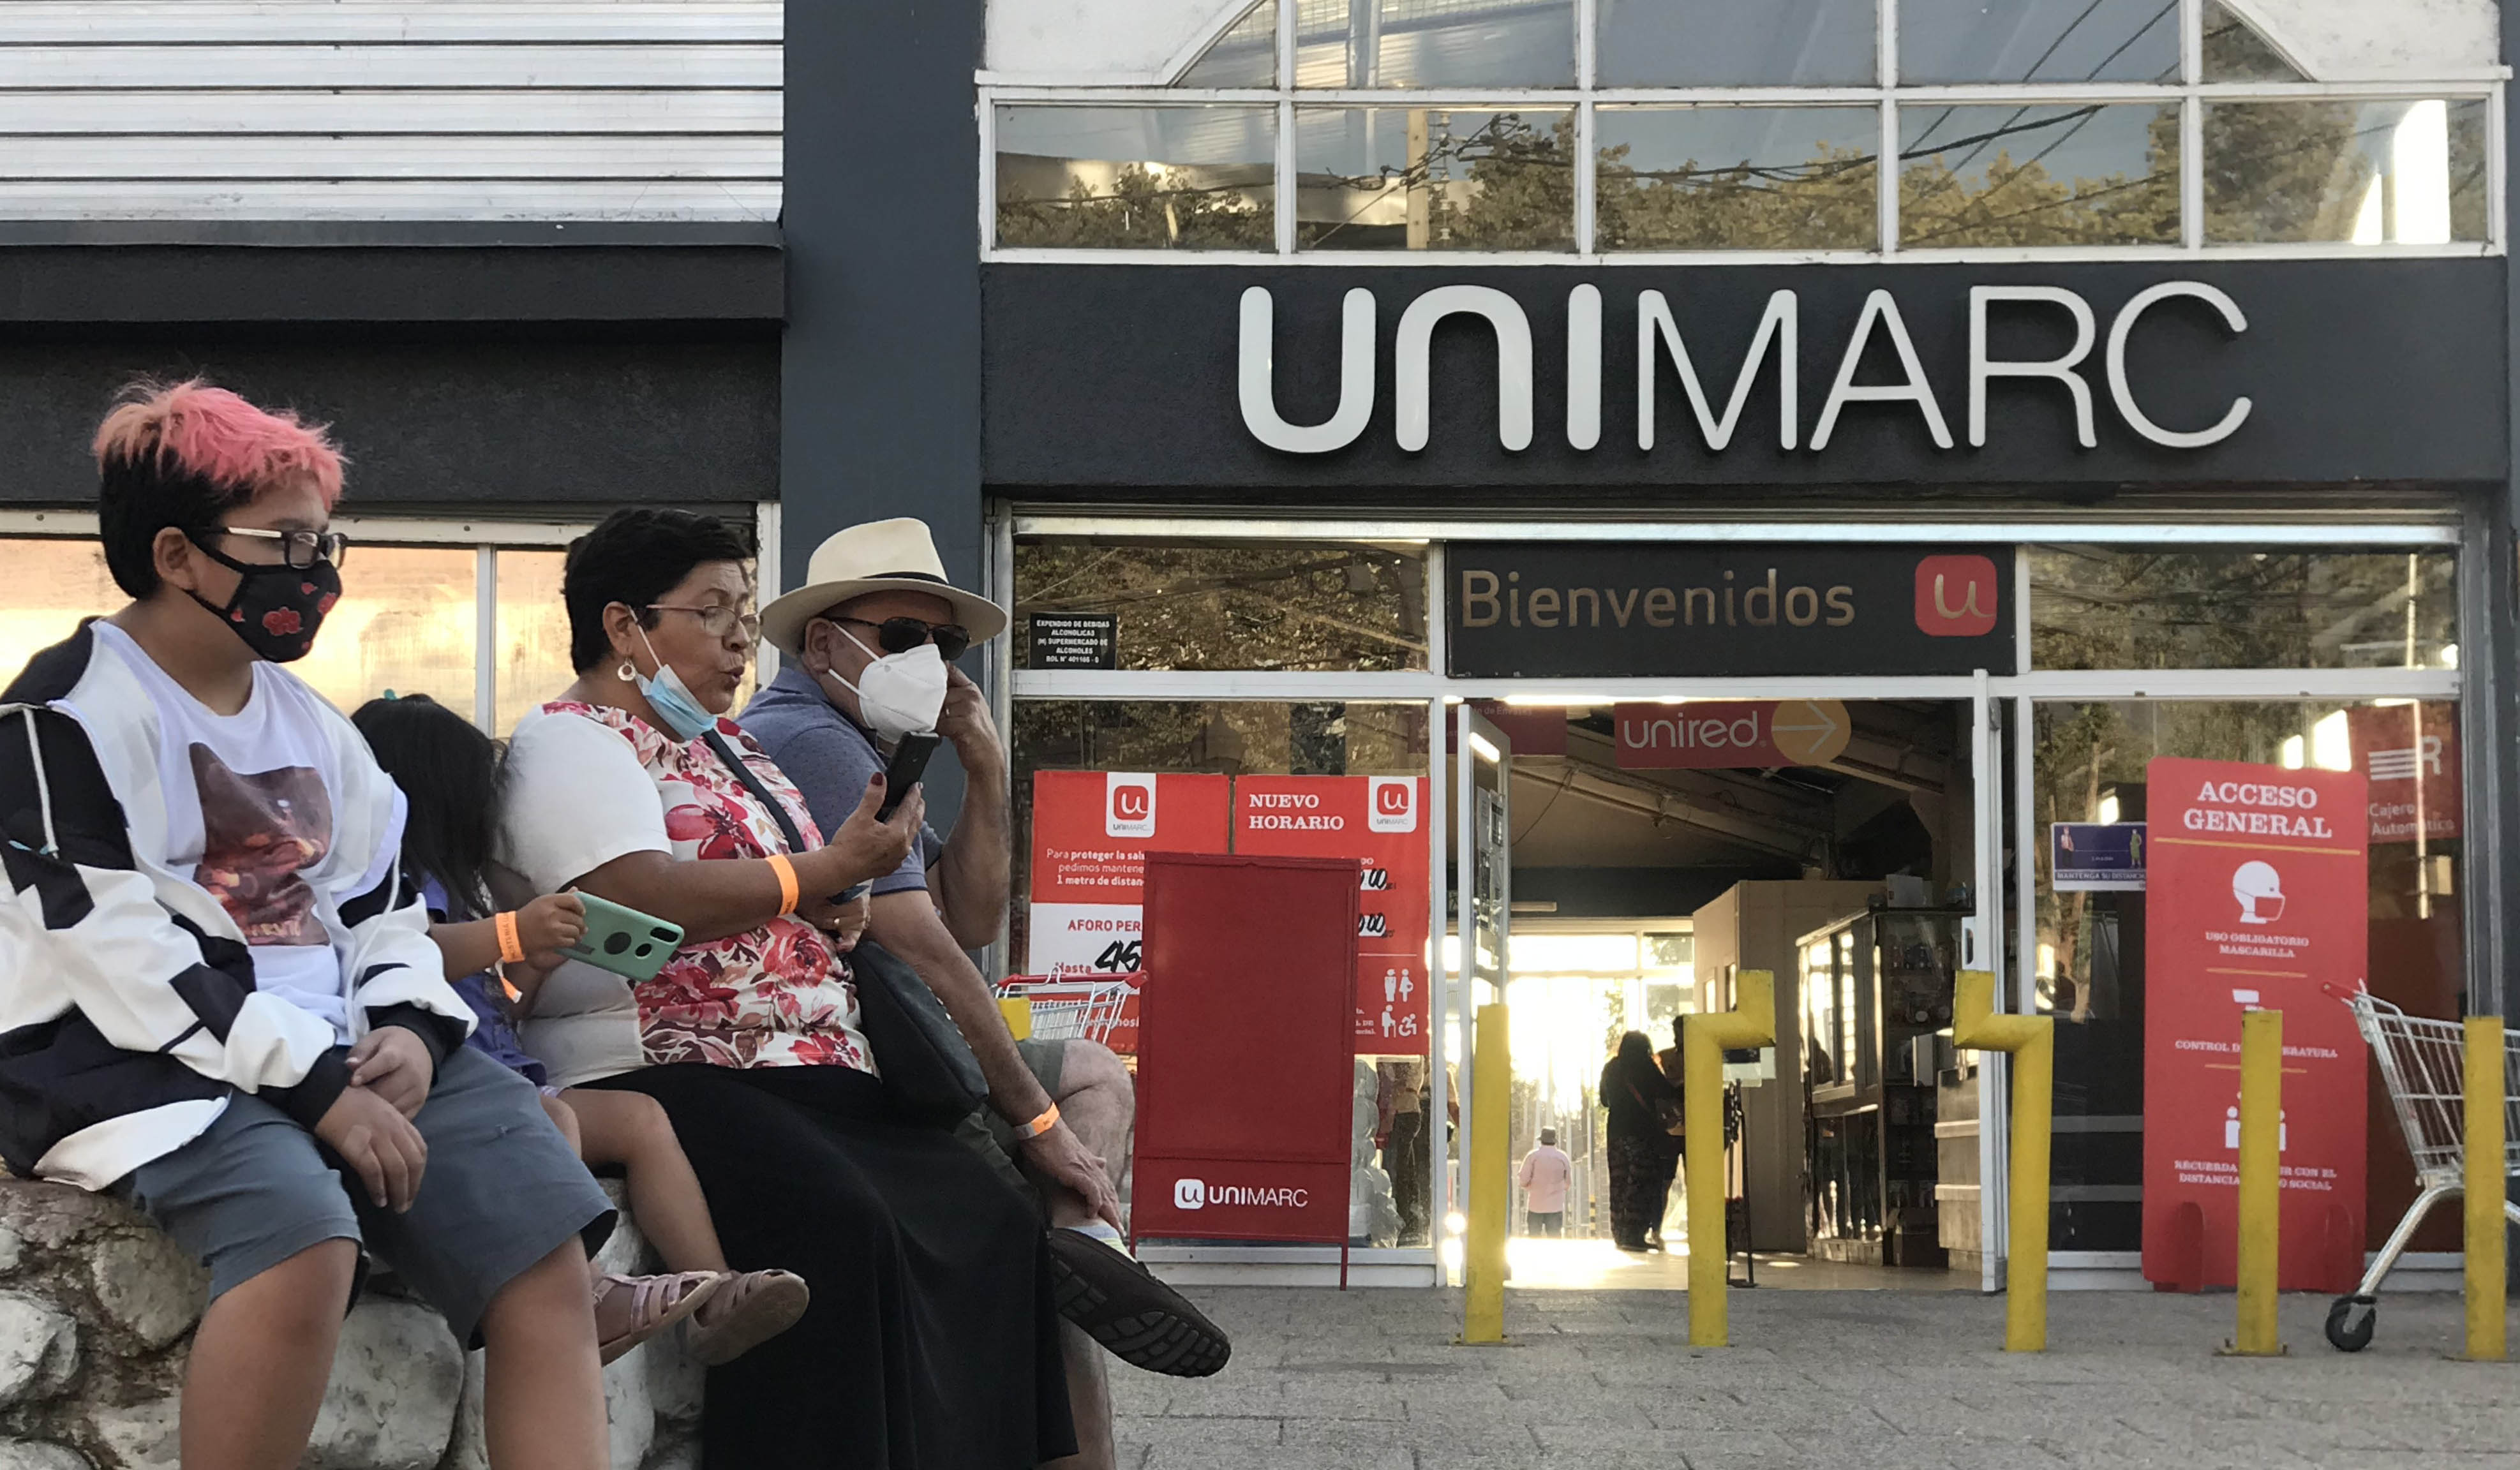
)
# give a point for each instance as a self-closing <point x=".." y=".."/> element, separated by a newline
<point x="97" y="1310"/>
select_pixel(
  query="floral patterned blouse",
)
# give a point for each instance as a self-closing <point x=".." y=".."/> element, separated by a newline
<point x="779" y="995"/>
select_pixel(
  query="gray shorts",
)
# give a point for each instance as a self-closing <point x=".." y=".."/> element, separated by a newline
<point x="993" y="1136"/>
<point x="501" y="1190"/>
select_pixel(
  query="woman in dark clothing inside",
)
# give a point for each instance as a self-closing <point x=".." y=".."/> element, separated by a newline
<point x="1641" y="1100"/>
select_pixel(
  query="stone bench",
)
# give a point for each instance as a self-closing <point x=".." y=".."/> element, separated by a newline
<point x="95" y="1319"/>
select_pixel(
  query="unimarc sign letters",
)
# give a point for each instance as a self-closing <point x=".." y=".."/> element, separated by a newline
<point x="1777" y="339"/>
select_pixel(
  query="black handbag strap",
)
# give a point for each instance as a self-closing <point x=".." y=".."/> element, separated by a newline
<point x="761" y="793"/>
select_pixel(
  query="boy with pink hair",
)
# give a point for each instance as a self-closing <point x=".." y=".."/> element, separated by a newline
<point x="220" y="998"/>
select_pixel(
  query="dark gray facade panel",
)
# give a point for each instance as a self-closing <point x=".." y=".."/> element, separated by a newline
<point x="880" y="393"/>
<point x="475" y="424"/>
<point x="1126" y="377"/>
<point x="719" y="275"/>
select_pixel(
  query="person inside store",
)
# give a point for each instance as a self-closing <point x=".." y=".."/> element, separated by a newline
<point x="227" y="1009"/>
<point x="869" y="642"/>
<point x="931" y="1341"/>
<point x="1544" y="1177"/>
<point x="1672" y="1060"/>
<point x="1643" y="1105"/>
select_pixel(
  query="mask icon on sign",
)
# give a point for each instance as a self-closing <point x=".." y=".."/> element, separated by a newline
<point x="2260" y="890"/>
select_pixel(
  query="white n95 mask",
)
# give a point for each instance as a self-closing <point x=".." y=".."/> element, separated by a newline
<point x="899" y="693"/>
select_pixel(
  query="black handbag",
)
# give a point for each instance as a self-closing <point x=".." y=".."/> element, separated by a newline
<point x="930" y="1072"/>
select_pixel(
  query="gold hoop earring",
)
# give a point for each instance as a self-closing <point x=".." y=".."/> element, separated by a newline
<point x="628" y="673"/>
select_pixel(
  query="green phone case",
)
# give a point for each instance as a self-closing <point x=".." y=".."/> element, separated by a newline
<point x="628" y="942"/>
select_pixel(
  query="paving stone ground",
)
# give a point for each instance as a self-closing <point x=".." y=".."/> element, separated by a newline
<point x="1370" y="1380"/>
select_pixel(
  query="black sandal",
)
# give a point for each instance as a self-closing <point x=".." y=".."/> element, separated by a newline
<point x="1139" y="1319"/>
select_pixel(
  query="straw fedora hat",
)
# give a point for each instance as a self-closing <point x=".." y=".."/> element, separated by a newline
<point x="880" y="556"/>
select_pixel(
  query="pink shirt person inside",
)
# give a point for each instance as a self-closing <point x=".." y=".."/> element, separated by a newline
<point x="1546" y="1174"/>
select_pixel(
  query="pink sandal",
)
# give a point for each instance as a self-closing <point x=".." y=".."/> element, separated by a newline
<point x="656" y="1304"/>
<point x="747" y="1311"/>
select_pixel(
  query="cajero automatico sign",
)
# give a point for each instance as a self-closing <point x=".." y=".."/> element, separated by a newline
<point x="1566" y="380"/>
<point x="1659" y="340"/>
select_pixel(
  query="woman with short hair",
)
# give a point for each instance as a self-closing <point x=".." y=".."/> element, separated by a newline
<point x="931" y="1343"/>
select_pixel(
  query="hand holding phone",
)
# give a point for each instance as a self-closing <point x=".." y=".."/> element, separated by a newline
<point x="908" y="764"/>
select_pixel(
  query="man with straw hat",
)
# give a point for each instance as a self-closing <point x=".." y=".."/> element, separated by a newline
<point x="870" y="640"/>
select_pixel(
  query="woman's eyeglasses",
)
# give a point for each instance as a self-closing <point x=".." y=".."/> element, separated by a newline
<point x="718" y="622"/>
<point x="299" y="549"/>
<point x="900" y="635"/>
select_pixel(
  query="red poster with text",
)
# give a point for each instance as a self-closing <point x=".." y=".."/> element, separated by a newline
<point x="1091" y="833"/>
<point x="2257" y="897"/>
<point x="1379" y="822"/>
<point x="2409" y="753"/>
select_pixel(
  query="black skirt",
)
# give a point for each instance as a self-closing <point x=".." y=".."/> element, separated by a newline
<point x="932" y="1342"/>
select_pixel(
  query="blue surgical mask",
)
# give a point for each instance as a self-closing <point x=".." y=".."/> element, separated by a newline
<point x="671" y="698"/>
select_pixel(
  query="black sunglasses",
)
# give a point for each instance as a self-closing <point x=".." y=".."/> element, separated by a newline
<point x="900" y="635"/>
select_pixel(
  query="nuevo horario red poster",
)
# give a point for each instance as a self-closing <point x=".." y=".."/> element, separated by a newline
<point x="1378" y="821"/>
<point x="2258" y="897"/>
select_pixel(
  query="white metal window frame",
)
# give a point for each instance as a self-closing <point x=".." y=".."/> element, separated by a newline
<point x="2015" y="692"/>
<point x="485" y="537"/>
<point x="1886" y="96"/>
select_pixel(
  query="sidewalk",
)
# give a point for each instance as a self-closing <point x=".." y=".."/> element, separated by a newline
<point x="1323" y="1380"/>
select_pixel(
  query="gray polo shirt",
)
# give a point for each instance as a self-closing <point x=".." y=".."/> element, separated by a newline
<point x="830" y="758"/>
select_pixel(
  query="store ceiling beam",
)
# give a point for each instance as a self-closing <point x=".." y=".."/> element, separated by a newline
<point x="1608" y="787"/>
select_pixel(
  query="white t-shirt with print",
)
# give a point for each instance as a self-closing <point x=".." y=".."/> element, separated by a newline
<point x="249" y="803"/>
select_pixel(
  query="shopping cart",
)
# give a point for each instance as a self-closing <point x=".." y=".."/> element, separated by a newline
<point x="2422" y="1061"/>
<point x="1086" y="1009"/>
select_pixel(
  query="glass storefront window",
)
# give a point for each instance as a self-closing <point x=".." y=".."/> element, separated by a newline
<point x="2081" y="175"/>
<point x="2357" y="172"/>
<point x="2037" y="41"/>
<point x="2090" y="967"/>
<point x="2234" y="52"/>
<point x="1732" y="178"/>
<point x="1436" y="43"/>
<point x="1246" y="56"/>
<point x="1243" y="604"/>
<point x="1434" y="179"/>
<point x="2119" y="608"/>
<point x="1151" y="178"/>
<point x="533" y="636"/>
<point x="1245" y="739"/>
<point x="1722" y="43"/>
<point x="406" y="622"/>
<point x="53" y="584"/>
<point x="409" y="621"/>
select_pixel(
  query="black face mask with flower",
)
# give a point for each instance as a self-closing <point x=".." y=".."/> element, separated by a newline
<point x="276" y="608"/>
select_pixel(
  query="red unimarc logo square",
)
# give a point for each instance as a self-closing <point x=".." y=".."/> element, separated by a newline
<point x="1956" y="596"/>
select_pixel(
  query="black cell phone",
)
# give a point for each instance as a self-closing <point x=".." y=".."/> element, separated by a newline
<point x="909" y="763"/>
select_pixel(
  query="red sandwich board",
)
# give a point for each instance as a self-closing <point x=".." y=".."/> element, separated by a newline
<point x="1379" y="823"/>
<point x="2257" y="897"/>
<point x="1246" y="1082"/>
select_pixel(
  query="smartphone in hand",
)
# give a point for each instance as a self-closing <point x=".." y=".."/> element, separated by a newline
<point x="908" y="764"/>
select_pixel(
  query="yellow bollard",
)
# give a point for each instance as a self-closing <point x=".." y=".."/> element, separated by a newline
<point x="2486" y="1287"/>
<point x="1483" y="1251"/>
<point x="2261" y="1180"/>
<point x="1751" y="1022"/>
<point x="2032" y="1041"/>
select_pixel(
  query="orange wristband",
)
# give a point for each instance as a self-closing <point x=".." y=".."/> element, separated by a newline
<point x="512" y="947"/>
<point x="787" y="872"/>
<point x="1041" y="1125"/>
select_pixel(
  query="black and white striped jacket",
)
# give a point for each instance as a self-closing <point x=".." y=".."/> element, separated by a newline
<point x="128" y="1012"/>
